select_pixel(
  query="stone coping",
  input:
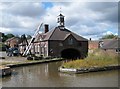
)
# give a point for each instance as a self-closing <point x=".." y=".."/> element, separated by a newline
<point x="4" y="67"/>
<point x="87" y="70"/>
<point x="33" y="62"/>
<point x="4" y="71"/>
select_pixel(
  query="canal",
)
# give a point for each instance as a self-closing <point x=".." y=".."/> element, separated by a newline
<point x="47" y="75"/>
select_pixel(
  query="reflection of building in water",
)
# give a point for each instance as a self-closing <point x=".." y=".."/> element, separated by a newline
<point x="46" y="70"/>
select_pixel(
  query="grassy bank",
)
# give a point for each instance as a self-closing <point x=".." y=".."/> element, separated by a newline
<point x="96" y="59"/>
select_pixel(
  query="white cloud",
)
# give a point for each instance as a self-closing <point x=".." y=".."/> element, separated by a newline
<point x="108" y="33"/>
<point x="24" y="9"/>
<point x="89" y="19"/>
<point x="5" y="30"/>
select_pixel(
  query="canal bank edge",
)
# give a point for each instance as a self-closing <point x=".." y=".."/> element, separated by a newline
<point x="87" y="70"/>
<point x="6" y="70"/>
<point x="34" y="62"/>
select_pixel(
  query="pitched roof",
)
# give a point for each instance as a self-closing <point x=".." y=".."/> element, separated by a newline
<point x="60" y="34"/>
<point x="11" y="39"/>
<point x="111" y="44"/>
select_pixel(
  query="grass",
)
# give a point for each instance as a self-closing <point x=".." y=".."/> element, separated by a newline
<point x="96" y="59"/>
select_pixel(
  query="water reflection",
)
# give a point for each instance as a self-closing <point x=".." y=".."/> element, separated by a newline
<point x="47" y="75"/>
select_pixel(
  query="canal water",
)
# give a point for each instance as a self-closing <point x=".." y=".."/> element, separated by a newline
<point x="47" y="75"/>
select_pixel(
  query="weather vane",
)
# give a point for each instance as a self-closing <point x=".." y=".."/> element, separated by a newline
<point x="60" y="10"/>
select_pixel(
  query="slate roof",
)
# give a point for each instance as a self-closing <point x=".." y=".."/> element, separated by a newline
<point x="12" y="39"/>
<point x="111" y="44"/>
<point x="59" y="34"/>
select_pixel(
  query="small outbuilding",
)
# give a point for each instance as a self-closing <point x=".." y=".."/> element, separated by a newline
<point x="111" y="45"/>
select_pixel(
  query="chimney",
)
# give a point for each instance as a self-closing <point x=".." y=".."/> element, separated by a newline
<point x="90" y="39"/>
<point x="46" y="28"/>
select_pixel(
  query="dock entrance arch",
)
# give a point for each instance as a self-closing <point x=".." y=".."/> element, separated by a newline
<point x="70" y="53"/>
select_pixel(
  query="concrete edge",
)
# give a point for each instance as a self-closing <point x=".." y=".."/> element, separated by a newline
<point x="32" y="63"/>
<point x="88" y="70"/>
<point x="5" y="71"/>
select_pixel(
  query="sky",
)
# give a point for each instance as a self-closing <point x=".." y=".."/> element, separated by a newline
<point x="87" y="19"/>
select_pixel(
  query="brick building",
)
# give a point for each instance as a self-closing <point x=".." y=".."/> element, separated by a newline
<point x="93" y="45"/>
<point x="60" y="42"/>
<point x="12" y="42"/>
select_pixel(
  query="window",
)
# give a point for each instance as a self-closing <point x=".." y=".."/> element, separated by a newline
<point x="70" y="41"/>
<point x="60" y="44"/>
<point x="80" y="44"/>
<point x="51" y="50"/>
<point x="118" y="50"/>
<point x="101" y="44"/>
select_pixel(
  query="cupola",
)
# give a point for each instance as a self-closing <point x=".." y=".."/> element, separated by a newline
<point x="61" y="21"/>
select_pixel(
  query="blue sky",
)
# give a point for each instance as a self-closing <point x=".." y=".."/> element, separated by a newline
<point x="48" y="5"/>
<point x="88" y="19"/>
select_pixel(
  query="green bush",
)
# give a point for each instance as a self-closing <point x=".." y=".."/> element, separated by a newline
<point x="2" y="47"/>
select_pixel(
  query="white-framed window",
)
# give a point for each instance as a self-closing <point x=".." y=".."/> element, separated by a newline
<point x="101" y="44"/>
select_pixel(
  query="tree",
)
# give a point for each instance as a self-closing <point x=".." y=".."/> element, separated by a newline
<point x="3" y="37"/>
<point x="10" y="35"/>
<point x="29" y="36"/>
<point x="2" y="47"/>
<point x="17" y="36"/>
<point x="109" y="36"/>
